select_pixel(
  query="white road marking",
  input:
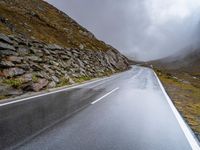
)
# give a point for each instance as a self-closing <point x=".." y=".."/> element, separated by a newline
<point x="105" y="95"/>
<point x="190" y="137"/>
<point x="60" y="90"/>
<point x="52" y="92"/>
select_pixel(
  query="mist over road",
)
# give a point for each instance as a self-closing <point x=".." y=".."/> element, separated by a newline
<point x="133" y="113"/>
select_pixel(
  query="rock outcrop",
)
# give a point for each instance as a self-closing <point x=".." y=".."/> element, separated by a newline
<point x="41" y="48"/>
<point x="30" y="65"/>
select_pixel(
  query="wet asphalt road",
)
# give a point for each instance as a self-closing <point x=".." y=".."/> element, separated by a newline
<point x="131" y="114"/>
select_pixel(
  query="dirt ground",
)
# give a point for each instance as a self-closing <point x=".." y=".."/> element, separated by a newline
<point x="184" y="90"/>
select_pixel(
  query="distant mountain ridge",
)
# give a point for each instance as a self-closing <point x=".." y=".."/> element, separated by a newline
<point x="186" y="60"/>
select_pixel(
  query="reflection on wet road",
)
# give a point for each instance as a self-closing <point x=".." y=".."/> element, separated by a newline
<point x="132" y="114"/>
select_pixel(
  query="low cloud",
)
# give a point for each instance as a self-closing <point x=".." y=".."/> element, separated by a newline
<point x="140" y="29"/>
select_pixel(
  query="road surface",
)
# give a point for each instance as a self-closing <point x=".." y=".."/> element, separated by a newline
<point x="131" y="114"/>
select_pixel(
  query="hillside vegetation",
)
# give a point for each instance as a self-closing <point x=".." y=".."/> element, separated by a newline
<point x="39" y="20"/>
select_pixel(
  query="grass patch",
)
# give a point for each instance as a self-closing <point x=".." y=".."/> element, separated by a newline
<point x="63" y="82"/>
<point x="34" y="78"/>
<point x="2" y="97"/>
<point x="16" y="83"/>
<point x="185" y="96"/>
<point x="108" y="73"/>
<point x="81" y="79"/>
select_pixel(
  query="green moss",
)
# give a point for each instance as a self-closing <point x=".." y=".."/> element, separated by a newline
<point x="16" y="83"/>
<point x="81" y="79"/>
<point x="34" y="78"/>
<point x="108" y="73"/>
<point x="2" y="97"/>
<point x="63" y="82"/>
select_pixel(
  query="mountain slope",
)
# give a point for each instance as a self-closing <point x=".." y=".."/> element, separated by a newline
<point x="42" y="48"/>
<point x="38" y="19"/>
<point x="187" y="61"/>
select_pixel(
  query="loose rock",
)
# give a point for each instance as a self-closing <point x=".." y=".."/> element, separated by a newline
<point x="53" y="47"/>
<point x="8" y="53"/>
<point x="6" y="64"/>
<point x="55" y="79"/>
<point x="6" y="46"/>
<point x="5" y="38"/>
<point x="38" y="86"/>
<point x="52" y="84"/>
<point x="6" y="90"/>
<point x="11" y="72"/>
<point x="15" y="59"/>
<point x="38" y="65"/>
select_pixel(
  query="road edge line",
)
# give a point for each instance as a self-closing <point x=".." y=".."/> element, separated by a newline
<point x="189" y="136"/>
<point x="56" y="91"/>
<point x="104" y="96"/>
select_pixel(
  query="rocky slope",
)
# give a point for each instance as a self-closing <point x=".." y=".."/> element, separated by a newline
<point x="41" y="48"/>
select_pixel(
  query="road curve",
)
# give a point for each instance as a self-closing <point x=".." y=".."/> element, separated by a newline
<point x="132" y="114"/>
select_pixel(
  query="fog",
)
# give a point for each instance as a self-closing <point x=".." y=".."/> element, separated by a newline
<point x="140" y="29"/>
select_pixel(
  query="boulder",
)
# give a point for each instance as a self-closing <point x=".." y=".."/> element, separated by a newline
<point x="63" y="64"/>
<point x="46" y="51"/>
<point x="35" y="66"/>
<point x="75" y="51"/>
<point x="48" y="68"/>
<point x="40" y="85"/>
<point x="34" y="58"/>
<point x="81" y="64"/>
<point x="15" y="59"/>
<point x="43" y="74"/>
<point x="6" y="46"/>
<point x="11" y="72"/>
<point x="5" y="38"/>
<point x="58" y="73"/>
<point x="35" y="51"/>
<point x="23" y="51"/>
<point x="7" y="52"/>
<point x="6" y="90"/>
<point x="52" y="84"/>
<point x="6" y="64"/>
<point x="54" y="63"/>
<point x="69" y="53"/>
<point x="26" y="78"/>
<point x="53" y="47"/>
<point x="24" y="66"/>
<point x="69" y="80"/>
<point x="1" y="74"/>
<point x="69" y="62"/>
<point x="65" y="57"/>
<point x="55" y="79"/>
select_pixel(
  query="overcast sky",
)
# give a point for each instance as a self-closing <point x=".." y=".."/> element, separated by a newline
<point x="141" y="29"/>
